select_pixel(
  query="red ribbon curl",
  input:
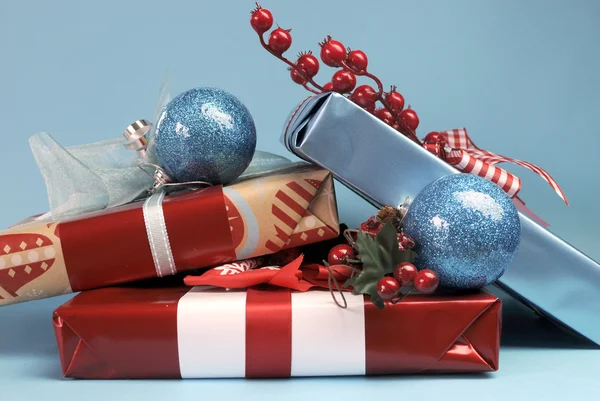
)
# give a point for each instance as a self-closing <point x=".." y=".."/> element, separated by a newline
<point x="457" y="148"/>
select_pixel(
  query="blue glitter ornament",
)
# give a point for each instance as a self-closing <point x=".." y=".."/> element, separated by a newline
<point x="466" y="229"/>
<point x="205" y="134"/>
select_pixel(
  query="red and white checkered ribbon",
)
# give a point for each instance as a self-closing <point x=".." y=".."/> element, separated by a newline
<point x="463" y="154"/>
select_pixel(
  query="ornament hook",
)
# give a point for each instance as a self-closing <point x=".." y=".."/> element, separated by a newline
<point x="163" y="180"/>
<point x="160" y="176"/>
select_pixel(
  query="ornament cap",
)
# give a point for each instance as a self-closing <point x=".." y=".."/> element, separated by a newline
<point x="162" y="180"/>
<point x="160" y="176"/>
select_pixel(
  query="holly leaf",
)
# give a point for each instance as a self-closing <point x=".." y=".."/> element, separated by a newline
<point x="379" y="256"/>
<point x="408" y="255"/>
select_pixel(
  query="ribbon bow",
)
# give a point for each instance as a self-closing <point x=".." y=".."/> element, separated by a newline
<point x="248" y="273"/>
<point x="457" y="149"/>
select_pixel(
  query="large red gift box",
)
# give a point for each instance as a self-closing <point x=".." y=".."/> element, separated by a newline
<point x="165" y="235"/>
<point x="195" y="332"/>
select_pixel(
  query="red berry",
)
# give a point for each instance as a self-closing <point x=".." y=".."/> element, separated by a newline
<point x="364" y="96"/>
<point x="385" y="116"/>
<point x="339" y="254"/>
<point x="410" y="118"/>
<point x="332" y="52"/>
<point x="405" y="273"/>
<point x="388" y="288"/>
<point x="426" y="281"/>
<point x="261" y="20"/>
<point x="395" y="101"/>
<point x="296" y="77"/>
<point x="309" y="64"/>
<point x="328" y="87"/>
<point x="434" y="137"/>
<point x="343" y="81"/>
<point x="371" y="108"/>
<point x="358" y="59"/>
<point x="280" y="40"/>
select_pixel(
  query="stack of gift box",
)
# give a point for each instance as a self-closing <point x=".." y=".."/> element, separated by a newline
<point x="225" y="261"/>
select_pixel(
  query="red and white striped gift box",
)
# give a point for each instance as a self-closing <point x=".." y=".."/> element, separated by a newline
<point x="188" y="332"/>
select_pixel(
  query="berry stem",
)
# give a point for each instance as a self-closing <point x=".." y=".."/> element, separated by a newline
<point x="374" y="78"/>
<point x="395" y="301"/>
<point x="348" y="234"/>
<point x="308" y="88"/>
<point x="331" y="279"/>
<point x="408" y="132"/>
<point x="292" y="65"/>
<point x="353" y="269"/>
<point x="379" y="88"/>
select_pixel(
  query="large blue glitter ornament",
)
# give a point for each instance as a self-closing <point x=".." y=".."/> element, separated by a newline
<point x="466" y="229"/>
<point x="205" y="134"/>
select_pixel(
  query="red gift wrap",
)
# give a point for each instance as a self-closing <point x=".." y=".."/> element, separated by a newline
<point x="165" y="235"/>
<point x="194" y="332"/>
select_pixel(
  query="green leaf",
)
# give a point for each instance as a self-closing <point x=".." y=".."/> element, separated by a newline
<point x="379" y="256"/>
<point x="407" y="255"/>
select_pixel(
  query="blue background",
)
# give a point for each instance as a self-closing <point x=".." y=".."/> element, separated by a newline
<point x="522" y="76"/>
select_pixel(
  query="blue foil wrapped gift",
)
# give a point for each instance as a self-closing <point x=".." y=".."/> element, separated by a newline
<point x="537" y="277"/>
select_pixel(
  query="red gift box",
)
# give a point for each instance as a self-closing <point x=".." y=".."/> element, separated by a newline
<point x="163" y="236"/>
<point x="194" y="332"/>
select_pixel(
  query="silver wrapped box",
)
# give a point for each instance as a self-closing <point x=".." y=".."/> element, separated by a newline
<point x="547" y="274"/>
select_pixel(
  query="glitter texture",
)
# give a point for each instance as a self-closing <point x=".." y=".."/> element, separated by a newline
<point x="205" y="134"/>
<point x="466" y="229"/>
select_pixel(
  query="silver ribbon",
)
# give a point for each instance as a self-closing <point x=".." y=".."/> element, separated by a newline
<point x="135" y="134"/>
<point x="158" y="237"/>
<point x="156" y="228"/>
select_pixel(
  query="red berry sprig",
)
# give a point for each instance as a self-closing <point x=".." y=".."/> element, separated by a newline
<point x="388" y="288"/>
<point x="350" y="64"/>
<point x="280" y="40"/>
<point x="382" y="254"/>
<point x="333" y="52"/>
<point x="261" y="19"/>
<point x="426" y="281"/>
<point x="343" y="81"/>
<point x="308" y="64"/>
<point x="406" y="275"/>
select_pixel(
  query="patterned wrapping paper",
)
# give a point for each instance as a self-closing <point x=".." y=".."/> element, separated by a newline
<point x="546" y="271"/>
<point x="193" y="332"/>
<point x="216" y="225"/>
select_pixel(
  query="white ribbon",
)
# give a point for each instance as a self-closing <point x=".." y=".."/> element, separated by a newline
<point x="158" y="238"/>
<point x="210" y="345"/>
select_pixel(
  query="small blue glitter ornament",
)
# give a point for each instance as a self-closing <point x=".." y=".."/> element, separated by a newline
<point x="205" y="134"/>
<point x="466" y="229"/>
